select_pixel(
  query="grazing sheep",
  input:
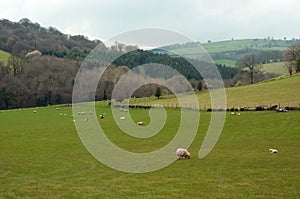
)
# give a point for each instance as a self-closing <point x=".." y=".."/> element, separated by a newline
<point x="273" y="150"/>
<point x="182" y="153"/>
<point x="101" y="116"/>
<point x="86" y="119"/>
<point x="60" y="114"/>
<point x="34" y="111"/>
<point x="140" y="123"/>
<point x="122" y="118"/>
<point x="81" y="113"/>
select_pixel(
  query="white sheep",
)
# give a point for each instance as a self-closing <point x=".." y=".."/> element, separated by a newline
<point x="101" y="116"/>
<point x="182" y="153"/>
<point x="122" y="118"/>
<point x="140" y="123"/>
<point x="273" y="150"/>
<point x="86" y="119"/>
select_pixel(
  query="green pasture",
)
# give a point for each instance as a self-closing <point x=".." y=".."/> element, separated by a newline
<point x="283" y="91"/>
<point x="227" y="62"/>
<point x="41" y="156"/>
<point x="275" y="67"/>
<point x="4" y="56"/>
<point x="235" y="45"/>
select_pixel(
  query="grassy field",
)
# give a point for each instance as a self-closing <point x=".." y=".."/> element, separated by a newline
<point x="239" y="44"/>
<point x="276" y="67"/>
<point x="4" y="56"/>
<point x="283" y="91"/>
<point x="227" y="62"/>
<point x="42" y="157"/>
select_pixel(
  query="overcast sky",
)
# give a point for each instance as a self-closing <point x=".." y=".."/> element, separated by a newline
<point x="201" y="20"/>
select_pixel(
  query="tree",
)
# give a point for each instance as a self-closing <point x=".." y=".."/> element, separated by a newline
<point x="249" y="62"/>
<point x="158" y="92"/>
<point x="15" y="64"/>
<point x="200" y="85"/>
<point x="292" y="58"/>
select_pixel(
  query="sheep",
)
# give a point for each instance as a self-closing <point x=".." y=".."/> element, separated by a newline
<point x="86" y="119"/>
<point x="122" y="118"/>
<point x="140" y="123"/>
<point x="273" y="150"/>
<point x="34" y="111"/>
<point x="81" y="113"/>
<point x="101" y="116"/>
<point x="182" y="153"/>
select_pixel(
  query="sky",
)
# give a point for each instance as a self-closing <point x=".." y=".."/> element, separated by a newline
<point x="200" y="20"/>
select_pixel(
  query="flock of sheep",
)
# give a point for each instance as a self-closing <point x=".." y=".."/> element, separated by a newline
<point x="181" y="153"/>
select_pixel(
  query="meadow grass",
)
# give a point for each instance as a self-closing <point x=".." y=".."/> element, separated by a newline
<point x="42" y="157"/>
<point x="275" y="67"/>
<point x="283" y="91"/>
<point x="4" y="56"/>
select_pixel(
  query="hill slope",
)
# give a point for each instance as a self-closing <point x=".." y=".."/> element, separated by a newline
<point x="4" y="56"/>
<point x="282" y="91"/>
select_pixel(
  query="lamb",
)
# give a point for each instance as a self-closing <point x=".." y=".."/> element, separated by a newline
<point x="273" y="150"/>
<point x="182" y="153"/>
<point x="81" y="113"/>
<point x="140" y="123"/>
<point x="101" y="116"/>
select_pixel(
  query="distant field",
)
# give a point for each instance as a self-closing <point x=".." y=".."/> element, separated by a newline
<point x="235" y="45"/>
<point x="276" y="67"/>
<point x="4" y="56"/>
<point x="227" y="62"/>
<point x="282" y="91"/>
<point x="43" y="157"/>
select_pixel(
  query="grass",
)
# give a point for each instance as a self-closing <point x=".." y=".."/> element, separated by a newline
<point x="275" y="67"/>
<point x="283" y="90"/>
<point x="235" y="45"/>
<point x="42" y="157"/>
<point x="227" y="62"/>
<point x="4" y="56"/>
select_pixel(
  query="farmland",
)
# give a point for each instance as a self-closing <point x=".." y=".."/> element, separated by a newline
<point x="43" y="157"/>
<point x="283" y="91"/>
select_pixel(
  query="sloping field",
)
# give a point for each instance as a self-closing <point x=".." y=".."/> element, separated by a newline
<point x="4" y="56"/>
<point x="276" y="67"/>
<point x="283" y="91"/>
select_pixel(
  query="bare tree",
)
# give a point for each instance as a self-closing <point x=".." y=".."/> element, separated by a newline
<point x="292" y="58"/>
<point x="15" y="64"/>
<point x="249" y="62"/>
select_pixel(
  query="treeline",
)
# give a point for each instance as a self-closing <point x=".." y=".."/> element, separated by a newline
<point x="182" y="65"/>
<point x="40" y="81"/>
<point x="21" y="37"/>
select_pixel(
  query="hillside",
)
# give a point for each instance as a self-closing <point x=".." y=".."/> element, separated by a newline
<point x="275" y="67"/>
<point x="284" y="91"/>
<point x="3" y="56"/>
<point x="228" y="52"/>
